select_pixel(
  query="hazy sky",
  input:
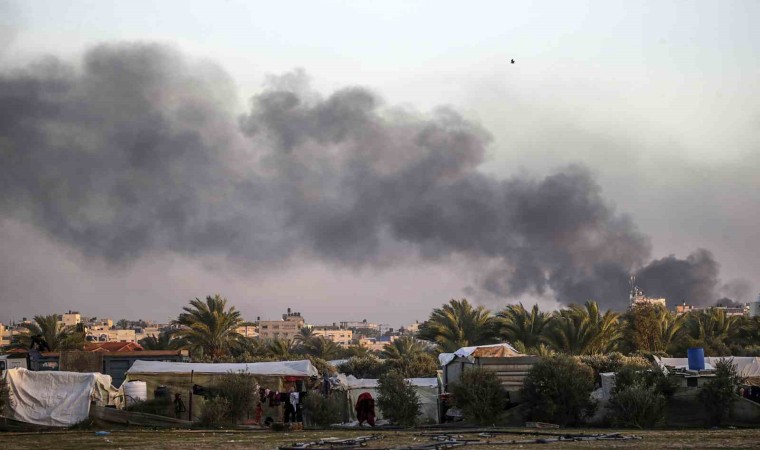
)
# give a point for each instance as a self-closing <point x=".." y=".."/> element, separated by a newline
<point x="658" y="101"/>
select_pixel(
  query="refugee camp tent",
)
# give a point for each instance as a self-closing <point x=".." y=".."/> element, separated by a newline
<point x="180" y="378"/>
<point x="510" y="365"/>
<point x="426" y="389"/>
<point x="747" y="366"/>
<point x="57" y="399"/>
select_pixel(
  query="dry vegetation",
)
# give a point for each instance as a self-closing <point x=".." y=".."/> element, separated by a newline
<point x="197" y="440"/>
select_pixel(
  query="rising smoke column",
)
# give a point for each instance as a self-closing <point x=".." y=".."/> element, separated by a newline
<point x="141" y="150"/>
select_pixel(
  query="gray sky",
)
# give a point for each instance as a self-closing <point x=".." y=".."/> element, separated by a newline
<point x="658" y="100"/>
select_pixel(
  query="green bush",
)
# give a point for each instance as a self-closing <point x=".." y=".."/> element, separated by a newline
<point x="654" y="378"/>
<point x="421" y="365"/>
<point x="216" y="412"/>
<point x="322" y="411"/>
<point x="3" y="395"/>
<point x="557" y="390"/>
<point x="363" y="367"/>
<point x="479" y="395"/>
<point x="397" y="399"/>
<point x="241" y="391"/>
<point x="637" y="405"/>
<point x="612" y="362"/>
<point x="719" y="394"/>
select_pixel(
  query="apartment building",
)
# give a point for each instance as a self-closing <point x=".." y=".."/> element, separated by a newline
<point x="71" y="318"/>
<point x="335" y="334"/>
<point x="287" y="328"/>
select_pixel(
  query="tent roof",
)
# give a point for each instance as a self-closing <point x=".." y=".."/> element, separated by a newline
<point x="302" y="368"/>
<point x="368" y="383"/>
<point x="747" y="366"/>
<point x="502" y="350"/>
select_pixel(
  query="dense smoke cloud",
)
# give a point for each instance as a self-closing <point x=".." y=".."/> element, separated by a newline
<point x="140" y="150"/>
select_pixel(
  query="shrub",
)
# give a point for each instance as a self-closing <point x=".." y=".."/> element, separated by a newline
<point x="719" y="394"/>
<point x="479" y="395"/>
<point x="558" y="390"/>
<point x="322" y="411"/>
<point x="654" y="378"/>
<point x="637" y="405"/>
<point x="3" y="395"/>
<point x="612" y="362"/>
<point x="363" y="367"/>
<point x="397" y="399"/>
<point x="240" y="390"/>
<point x="421" y="365"/>
<point x="216" y="412"/>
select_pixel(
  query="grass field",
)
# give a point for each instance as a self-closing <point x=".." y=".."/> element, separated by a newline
<point x="217" y="440"/>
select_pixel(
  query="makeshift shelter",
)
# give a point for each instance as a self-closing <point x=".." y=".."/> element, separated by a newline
<point x="510" y="365"/>
<point x="57" y="399"/>
<point x="747" y="366"/>
<point x="181" y="378"/>
<point x="426" y="389"/>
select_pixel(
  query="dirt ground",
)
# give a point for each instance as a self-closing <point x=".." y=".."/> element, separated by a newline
<point x="197" y="440"/>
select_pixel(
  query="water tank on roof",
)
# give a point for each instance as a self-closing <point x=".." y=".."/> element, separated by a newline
<point x="696" y="358"/>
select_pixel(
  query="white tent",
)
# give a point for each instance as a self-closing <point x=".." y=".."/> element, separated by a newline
<point x="747" y="366"/>
<point x="303" y="368"/>
<point x="57" y="399"/>
<point x="426" y="389"/>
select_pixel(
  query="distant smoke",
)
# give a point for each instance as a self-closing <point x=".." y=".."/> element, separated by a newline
<point x="729" y="303"/>
<point x="140" y="150"/>
<point x="693" y="279"/>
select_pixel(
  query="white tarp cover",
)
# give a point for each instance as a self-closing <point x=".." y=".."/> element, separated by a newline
<point x="57" y="399"/>
<point x="303" y="368"/>
<point x="747" y="366"/>
<point x="497" y="350"/>
<point x="426" y="389"/>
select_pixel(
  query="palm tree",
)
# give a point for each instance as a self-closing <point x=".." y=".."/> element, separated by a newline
<point x="209" y="327"/>
<point x="57" y="336"/>
<point x="304" y="334"/>
<point x="164" y="341"/>
<point x="522" y="328"/>
<point x="583" y="330"/>
<point x="278" y="348"/>
<point x="711" y="329"/>
<point x="123" y="324"/>
<point x="671" y="326"/>
<point x="458" y="324"/>
<point x="322" y="347"/>
<point x="404" y="348"/>
<point x="356" y="351"/>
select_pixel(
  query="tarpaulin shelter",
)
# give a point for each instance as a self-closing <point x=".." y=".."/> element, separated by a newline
<point x="510" y="365"/>
<point x="747" y="366"/>
<point x="426" y="389"/>
<point x="180" y="377"/>
<point x="57" y="399"/>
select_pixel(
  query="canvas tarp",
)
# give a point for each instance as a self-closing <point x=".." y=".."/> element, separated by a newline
<point x="426" y="389"/>
<point x="747" y="366"/>
<point x="180" y="378"/>
<point x="303" y="368"/>
<point x="57" y="399"/>
<point x="502" y="350"/>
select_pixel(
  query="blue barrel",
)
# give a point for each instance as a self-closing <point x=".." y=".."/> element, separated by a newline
<point x="696" y="358"/>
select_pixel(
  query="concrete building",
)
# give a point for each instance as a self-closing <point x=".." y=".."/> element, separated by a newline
<point x="376" y="344"/>
<point x="5" y="335"/>
<point x="71" y="319"/>
<point x="249" y="331"/>
<point x="287" y="328"/>
<point x="340" y="336"/>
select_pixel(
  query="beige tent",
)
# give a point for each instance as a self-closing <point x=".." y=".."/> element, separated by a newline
<point x="181" y="377"/>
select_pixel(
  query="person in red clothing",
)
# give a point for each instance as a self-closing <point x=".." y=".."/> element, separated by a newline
<point x="365" y="409"/>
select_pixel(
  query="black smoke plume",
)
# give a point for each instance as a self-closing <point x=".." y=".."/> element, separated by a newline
<point x="140" y="150"/>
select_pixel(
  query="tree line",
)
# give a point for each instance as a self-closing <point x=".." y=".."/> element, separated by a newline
<point x="208" y="329"/>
